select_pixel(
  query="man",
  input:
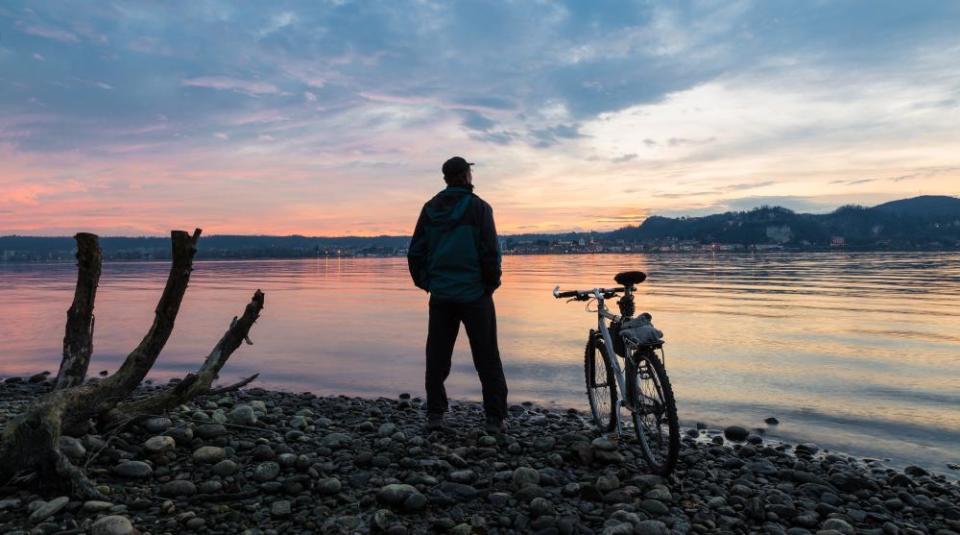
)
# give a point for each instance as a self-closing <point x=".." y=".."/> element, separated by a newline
<point x="455" y="256"/>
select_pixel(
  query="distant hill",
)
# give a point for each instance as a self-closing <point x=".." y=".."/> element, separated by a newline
<point x="924" y="206"/>
<point x="928" y="222"/>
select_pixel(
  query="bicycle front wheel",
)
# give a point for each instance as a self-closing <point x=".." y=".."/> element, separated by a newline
<point x="601" y="384"/>
<point x="654" y="411"/>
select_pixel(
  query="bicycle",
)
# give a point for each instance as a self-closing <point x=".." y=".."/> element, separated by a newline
<point x="648" y="394"/>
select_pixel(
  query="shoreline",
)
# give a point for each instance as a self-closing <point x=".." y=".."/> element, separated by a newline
<point x="271" y="461"/>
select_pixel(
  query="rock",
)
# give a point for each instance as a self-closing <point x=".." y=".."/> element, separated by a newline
<point x="462" y="476"/>
<point x="280" y="508"/>
<point x="242" y="415"/>
<point x="266" y="471"/>
<point x="181" y="435"/>
<point x="607" y="483"/>
<point x="133" y="469"/>
<point x="157" y="425"/>
<point x="209" y="454"/>
<point x="524" y="476"/>
<point x="387" y="429"/>
<point x="72" y="448"/>
<point x="336" y="440"/>
<point x="651" y="527"/>
<point x="178" y="487"/>
<point x="915" y="471"/>
<point x="48" y="509"/>
<point x="112" y="525"/>
<point x="159" y="444"/>
<point x="540" y="507"/>
<point x="208" y="431"/>
<point x="95" y="506"/>
<point x="603" y="444"/>
<point x="807" y="448"/>
<point x="838" y="525"/>
<point x="330" y="485"/>
<point x="396" y="494"/>
<point x="655" y="507"/>
<point x="735" y="433"/>
<point x="772" y="421"/>
<point x="225" y="468"/>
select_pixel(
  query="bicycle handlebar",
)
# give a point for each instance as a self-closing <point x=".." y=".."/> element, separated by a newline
<point x="583" y="295"/>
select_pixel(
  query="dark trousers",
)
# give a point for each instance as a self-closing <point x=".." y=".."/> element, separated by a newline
<point x="480" y="320"/>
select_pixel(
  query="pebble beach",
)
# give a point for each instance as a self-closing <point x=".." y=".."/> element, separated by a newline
<point x="265" y="462"/>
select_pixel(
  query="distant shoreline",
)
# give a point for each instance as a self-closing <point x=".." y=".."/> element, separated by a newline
<point x="765" y="251"/>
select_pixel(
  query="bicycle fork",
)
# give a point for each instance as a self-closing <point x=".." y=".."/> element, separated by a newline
<point x="617" y="372"/>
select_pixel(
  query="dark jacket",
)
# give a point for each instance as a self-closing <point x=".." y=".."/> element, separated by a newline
<point x="454" y="253"/>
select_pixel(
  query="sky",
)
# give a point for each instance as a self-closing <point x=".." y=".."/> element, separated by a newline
<point x="334" y="117"/>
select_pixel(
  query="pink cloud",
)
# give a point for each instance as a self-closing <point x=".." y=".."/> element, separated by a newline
<point x="226" y="83"/>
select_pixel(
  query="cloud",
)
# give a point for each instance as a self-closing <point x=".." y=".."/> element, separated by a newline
<point x="48" y="32"/>
<point x="225" y="83"/>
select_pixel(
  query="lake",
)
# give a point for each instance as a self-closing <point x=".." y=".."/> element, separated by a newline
<point x="858" y="352"/>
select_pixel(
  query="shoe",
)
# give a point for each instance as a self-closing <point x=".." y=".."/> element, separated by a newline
<point x="435" y="422"/>
<point x="495" y="425"/>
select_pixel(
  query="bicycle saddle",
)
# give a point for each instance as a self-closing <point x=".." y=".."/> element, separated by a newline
<point x="629" y="278"/>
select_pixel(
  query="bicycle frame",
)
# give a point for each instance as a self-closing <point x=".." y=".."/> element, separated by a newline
<point x="602" y="315"/>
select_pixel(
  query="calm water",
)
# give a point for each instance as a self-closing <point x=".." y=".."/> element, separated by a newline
<point x="857" y="352"/>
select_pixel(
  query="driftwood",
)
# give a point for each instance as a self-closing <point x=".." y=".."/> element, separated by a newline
<point x="29" y="446"/>
<point x="199" y="383"/>
<point x="78" y="339"/>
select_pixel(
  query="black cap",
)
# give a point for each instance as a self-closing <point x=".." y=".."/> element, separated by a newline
<point x="456" y="166"/>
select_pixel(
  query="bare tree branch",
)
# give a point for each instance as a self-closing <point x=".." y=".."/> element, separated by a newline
<point x="78" y="339"/>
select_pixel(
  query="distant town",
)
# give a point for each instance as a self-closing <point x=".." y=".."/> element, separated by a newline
<point x="919" y="223"/>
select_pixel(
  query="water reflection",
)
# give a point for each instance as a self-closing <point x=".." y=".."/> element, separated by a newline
<point x="856" y="351"/>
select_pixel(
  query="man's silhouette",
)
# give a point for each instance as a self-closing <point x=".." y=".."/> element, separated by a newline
<point x="455" y="255"/>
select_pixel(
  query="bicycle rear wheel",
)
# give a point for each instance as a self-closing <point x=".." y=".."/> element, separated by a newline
<point x="601" y="384"/>
<point x="654" y="410"/>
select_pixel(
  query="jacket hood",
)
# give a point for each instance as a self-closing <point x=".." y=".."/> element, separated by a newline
<point x="450" y="205"/>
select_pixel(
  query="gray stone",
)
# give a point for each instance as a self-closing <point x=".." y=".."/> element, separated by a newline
<point x="159" y="444"/>
<point x="225" y="468"/>
<point x="654" y="506"/>
<point x="540" y="507"/>
<point x="280" y="508"/>
<point x="736" y="433"/>
<point x="807" y="448"/>
<point x="178" y="487"/>
<point x="524" y="476"/>
<point x="603" y="444"/>
<point x="266" y="471"/>
<point x="336" y="440"/>
<point x="396" y="494"/>
<point x="112" y="525"/>
<point x="462" y="476"/>
<point x="208" y="431"/>
<point x="133" y="469"/>
<point x="330" y="485"/>
<point x="48" y="509"/>
<point x="209" y="454"/>
<point x="607" y="483"/>
<point x="157" y="425"/>
<point x="651" y="527"/>
<point x="243" y="415"/>
<point x="837" y="524"/>
<point x="95" y="506"/>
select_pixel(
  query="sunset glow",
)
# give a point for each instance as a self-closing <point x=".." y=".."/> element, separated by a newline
<point x="333" y="118"/>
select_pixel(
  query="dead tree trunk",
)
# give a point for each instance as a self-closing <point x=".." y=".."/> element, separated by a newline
<point x="78" y="339"/>
<point x="31" y="442"/>
<point x="199" y="383"/>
